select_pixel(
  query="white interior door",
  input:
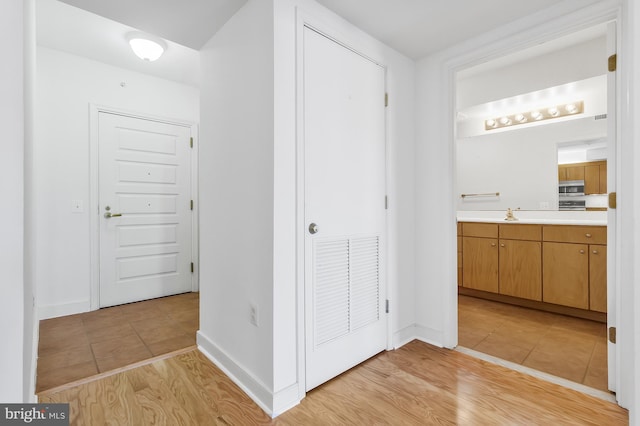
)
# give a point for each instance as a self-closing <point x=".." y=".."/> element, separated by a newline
<point x="344" y="150"/>
<point x="145" y="209"/>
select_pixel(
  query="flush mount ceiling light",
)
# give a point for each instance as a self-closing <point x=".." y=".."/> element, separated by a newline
<point x="145" y="46"/>
<point x="535" y="115"/>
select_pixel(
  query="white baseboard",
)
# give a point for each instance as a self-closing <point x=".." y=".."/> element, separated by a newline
<point x="285" y="399"/>
<point x="429" y="335"/>
<point x="404" y="336"/>
<point x="54" y="311"/>
<point x="272" y="403"/>
<point x="419" y="332"/>
<point x="34" y="358"/>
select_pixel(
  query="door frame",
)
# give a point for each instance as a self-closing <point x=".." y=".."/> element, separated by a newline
<point x="94" y="194"/>
<point x="557" y="28"/>
<point x="305" y="20"/>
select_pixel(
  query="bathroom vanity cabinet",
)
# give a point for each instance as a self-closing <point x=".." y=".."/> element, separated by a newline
<point x="551" y="265"/>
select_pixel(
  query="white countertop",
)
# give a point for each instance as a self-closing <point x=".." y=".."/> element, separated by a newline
<point x="543" y="217"/>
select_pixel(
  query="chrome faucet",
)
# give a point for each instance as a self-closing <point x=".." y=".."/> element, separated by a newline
<point x="510" y="215"/>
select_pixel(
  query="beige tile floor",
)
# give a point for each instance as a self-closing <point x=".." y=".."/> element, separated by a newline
<point x="78" y="346"/>
<point x="563" y="346"/>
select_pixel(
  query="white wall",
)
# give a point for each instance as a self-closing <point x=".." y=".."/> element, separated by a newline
<point x="435" y="233"/>
<point x="520" y="164"/>
<point x="12" y="385"/>
<point x="30" y="315"/>
<point x="578" y="62"/>
<point x="249" y="247"/>
<point x="436" y="291"/>
<point x="66" y="85"/>
<point x="237" y="195"/>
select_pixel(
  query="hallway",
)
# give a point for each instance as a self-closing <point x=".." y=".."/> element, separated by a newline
<point x="78" y="346"/>
<point x="417" y="384"/>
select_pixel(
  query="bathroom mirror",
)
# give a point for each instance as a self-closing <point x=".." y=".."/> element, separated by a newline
<point x="516" y="166"/>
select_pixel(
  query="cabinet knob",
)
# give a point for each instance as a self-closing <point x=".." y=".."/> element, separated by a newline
<point x="595" y="252"/>
<point x="587" y="235"/>
<point x="493" y="244"/>
<point x="581" y="251"/>
<point x="502" y="245"/>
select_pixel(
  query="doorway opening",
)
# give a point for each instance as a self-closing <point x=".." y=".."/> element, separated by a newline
<point x="142" y="182"/>
<point x="533" y="291"/>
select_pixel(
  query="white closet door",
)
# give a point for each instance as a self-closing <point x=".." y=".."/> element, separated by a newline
<point x="344" y="144"/>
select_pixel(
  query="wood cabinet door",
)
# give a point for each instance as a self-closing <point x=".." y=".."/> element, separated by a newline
<point x="521" y="269"/>
<point x="480" y="263"/>
<point x="592" y="179"/>
<point x="603" y="178"/>
<point x="575" y="172"/>
<point x="562" y="173"/>
<point x="598" y="278"/>
<point x="565" y="278"/>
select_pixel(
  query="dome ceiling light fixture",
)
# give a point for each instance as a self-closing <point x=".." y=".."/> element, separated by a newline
<point x="557" y="111"/>
<point x="146" y="47"/>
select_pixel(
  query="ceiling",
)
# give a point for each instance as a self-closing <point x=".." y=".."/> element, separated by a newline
<point x="416" y="28"/>
<point x="97" y="29"/>
<point x="69" y="29"/>
<point x="190" y="23"/>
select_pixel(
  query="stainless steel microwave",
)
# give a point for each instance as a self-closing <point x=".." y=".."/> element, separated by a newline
<point x="571" y="188"/>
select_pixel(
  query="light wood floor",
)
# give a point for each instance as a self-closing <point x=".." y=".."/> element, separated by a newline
<point x="572" y="348"/>
<point x="415" y="385"/>
<point x="78" y="346"/>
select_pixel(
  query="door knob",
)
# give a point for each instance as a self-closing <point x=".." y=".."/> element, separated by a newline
<point x="313" y="228"/>
<point x="108" y="214"/>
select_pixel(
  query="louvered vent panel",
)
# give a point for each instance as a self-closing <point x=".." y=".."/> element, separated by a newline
<point x="365" y="281"/>
<point x="331" y="290"/>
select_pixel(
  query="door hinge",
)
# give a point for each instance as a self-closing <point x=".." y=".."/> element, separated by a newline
<point x="386" y="306"/>
<point x="191" y="142"/>
<point x="386" y="202"/>
<point x="613" y="200"/>
<point x="612" y="62"/>
<point x="192" y="267"/>
<point x="612" y="335"/>
<point x="386" y="99"/>
<point x="191" y="204"/>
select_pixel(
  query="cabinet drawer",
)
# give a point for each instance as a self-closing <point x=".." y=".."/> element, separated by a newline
<point x="575" y="234"/>
<point x="521" y="232"/>
<point x="483" y="230"/>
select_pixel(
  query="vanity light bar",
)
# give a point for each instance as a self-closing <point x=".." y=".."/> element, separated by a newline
<point x="564" y="110"/>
